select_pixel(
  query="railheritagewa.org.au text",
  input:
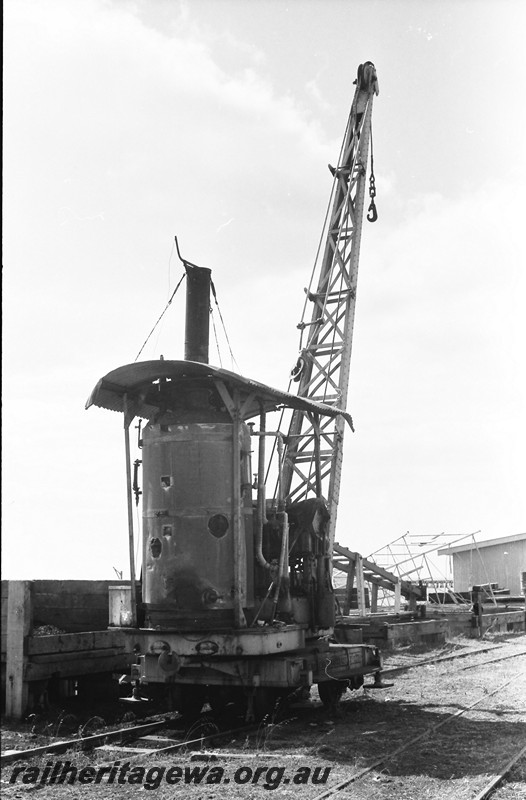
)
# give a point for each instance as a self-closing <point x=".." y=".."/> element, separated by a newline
<point x="55" y="773"/>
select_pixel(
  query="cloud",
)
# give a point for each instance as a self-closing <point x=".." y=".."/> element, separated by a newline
<point x="313" y="90"/>
<point x="108" y="116"/>
<point x="100" y="45"/>
<point x="137" y="121"/>
<point x="437" y="379"/>
<point x="113" y="109"/>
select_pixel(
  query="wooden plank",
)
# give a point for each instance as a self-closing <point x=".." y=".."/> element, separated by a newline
<point x="76" y="587"/>
<point x="398" y="591"/>
<point x="344" y="551"/>
<point x="73" y="587"/>
<point x="74" y="606"/>
<point x="408" y="590"/>
<point x="79" y="621"/>
<point x="360" y="586"/>
<point x="162" y="739"/>
<point x="45" y="602"/>
<point x="139" y="751"/>
<point x="372" y="567"/>
<point x="78" y="667"/>
<point x="349" y="587"/>
<point x="85" y="743"/>
<point x="19" y="612"/>
<point x="369" y="577"/>
<point x="83" y="655"/>
<point x="76" y="642"/>
<point x="205" y="755"/>
<point x="374" y="598"/>
<point x="72" y="620"/>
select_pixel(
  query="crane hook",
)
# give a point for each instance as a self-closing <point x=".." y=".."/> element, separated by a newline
<point x="372" y="214"/>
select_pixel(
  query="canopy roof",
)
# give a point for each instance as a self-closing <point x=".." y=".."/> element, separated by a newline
<point x="136" y="387"/>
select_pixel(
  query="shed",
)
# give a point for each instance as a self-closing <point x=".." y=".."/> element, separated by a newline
<point x="498" y="561"/>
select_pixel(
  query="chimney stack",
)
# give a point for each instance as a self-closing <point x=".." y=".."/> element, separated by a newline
<point x="197" y="326"/>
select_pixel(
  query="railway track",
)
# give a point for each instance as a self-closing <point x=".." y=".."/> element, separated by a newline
<point x="383" y="761"/>
<point x="493" y="784"/>
<point x="129" y="740"/>
<point x="391" y="671"/>
<point x="138" y="733"/>
<point x="85" y="742"/>
<point x="203" y="731"/>
<point x="151" y="740"/>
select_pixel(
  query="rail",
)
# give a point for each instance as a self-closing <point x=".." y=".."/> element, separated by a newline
<point x="431" y="729"/>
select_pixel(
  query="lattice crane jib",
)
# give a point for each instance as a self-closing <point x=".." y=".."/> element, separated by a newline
<point x="314" y="450"/>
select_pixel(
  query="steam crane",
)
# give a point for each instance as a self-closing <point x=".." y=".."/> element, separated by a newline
<point x="314" y="450"/>
<point x="237" y="605"/>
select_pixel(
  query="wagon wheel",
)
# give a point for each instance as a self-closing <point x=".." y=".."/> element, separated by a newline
<point x="188" y="700"/>
<point x="265" y="702"/>
<point x="331" y="692"/>
<point x="226" y="700"/>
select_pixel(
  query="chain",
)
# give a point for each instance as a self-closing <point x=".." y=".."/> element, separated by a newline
<point x="372" y="214"/>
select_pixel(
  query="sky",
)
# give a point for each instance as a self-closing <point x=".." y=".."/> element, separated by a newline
<point x="128" y="123"/>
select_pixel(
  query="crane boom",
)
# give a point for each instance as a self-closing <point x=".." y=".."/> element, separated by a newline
<point x="314" y="449"/>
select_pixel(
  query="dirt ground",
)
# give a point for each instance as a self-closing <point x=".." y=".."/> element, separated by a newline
<point x="307" y="750"/>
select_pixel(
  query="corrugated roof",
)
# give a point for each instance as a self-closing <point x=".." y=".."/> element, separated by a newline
<point x="140" y="383"/>
<point x="462" y="548"/>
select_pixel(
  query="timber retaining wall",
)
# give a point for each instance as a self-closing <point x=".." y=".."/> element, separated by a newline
<point x="55" y="630"/>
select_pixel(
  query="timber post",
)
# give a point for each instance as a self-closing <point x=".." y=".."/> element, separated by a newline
<point x="19" y="623"/>
<point x="349" y="586"/>
<point x="374" y="598"/>
<point x="360" y="585"/>
<point x="397" y="595"/>
<point x="523" y="584"/>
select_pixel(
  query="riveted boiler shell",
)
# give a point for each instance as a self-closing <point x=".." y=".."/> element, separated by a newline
<point x="187" y="517"/>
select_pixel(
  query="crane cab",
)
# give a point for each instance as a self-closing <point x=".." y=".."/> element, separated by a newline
<point x="237" y="598"/>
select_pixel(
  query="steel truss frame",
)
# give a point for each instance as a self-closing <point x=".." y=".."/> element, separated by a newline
<point x="324" y="362"/>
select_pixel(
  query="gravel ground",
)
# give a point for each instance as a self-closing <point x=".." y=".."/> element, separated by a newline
<point x="309" y="750"/>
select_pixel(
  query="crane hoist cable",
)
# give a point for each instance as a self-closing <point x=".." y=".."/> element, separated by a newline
<point x="212" y="318"/>
<point x="214" y="293"/>
<point x="372" y="214"/>
<point x="322" y="369"/>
